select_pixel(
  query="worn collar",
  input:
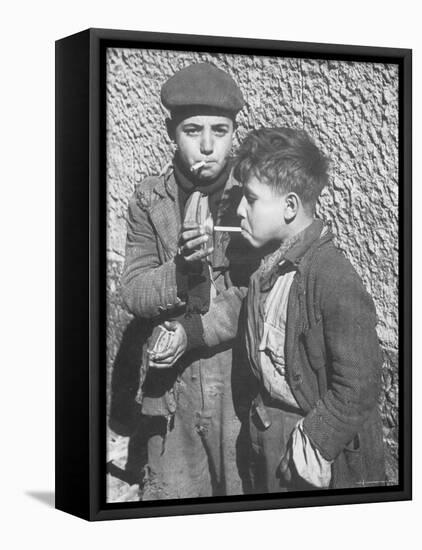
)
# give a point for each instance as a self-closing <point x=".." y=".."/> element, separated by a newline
<point x="287" y="257"/>
<point x="303" y="241"/>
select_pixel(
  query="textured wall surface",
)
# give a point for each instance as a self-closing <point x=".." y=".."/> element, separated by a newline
<point x="351" y="111"/>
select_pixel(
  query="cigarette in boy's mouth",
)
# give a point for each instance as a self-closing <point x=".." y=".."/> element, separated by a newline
<point x="195" y="167"/>
<point x="227" y="228"/>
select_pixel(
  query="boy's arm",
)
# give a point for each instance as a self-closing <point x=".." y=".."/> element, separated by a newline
<point x="220" y="323"/>
<point x="353" y="368"/>
<point x="148" y="286"/>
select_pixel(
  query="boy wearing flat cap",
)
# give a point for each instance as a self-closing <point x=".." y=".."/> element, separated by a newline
<point x="176" y="271"/>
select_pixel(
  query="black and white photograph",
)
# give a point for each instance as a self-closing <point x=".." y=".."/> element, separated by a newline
<point x="210" y="238"/>
<point x="252" y="275"/>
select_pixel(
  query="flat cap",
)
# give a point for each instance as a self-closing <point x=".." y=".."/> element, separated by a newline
<point x="202" y="85"/>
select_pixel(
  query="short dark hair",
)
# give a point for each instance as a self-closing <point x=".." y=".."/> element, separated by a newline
<point x="286" y="159"/>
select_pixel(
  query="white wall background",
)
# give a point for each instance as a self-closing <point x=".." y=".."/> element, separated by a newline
<point x="27" y="275"/>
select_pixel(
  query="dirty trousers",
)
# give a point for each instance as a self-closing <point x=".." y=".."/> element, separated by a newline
<point x="198" y="456"/>
<point x="269" y="446"/>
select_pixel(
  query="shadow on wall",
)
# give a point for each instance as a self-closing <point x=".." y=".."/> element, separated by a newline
<point x="124" y="410"/>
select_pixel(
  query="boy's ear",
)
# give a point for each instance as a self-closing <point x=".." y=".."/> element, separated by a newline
<point x="292" y="203"/>
<point x="170" y="128"/>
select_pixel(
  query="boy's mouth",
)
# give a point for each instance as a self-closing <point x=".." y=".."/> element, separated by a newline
<point x="197" y="166"/>
<point x="245" y="233"/>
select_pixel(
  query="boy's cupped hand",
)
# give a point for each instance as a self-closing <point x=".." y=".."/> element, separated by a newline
<point x="177" y="347"/>
<point x="193" y="242"/>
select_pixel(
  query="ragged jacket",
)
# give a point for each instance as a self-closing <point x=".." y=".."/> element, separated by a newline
<point x="205" y="386"/>
<point x="149" y="286"/>
<point x="333" y="359"/>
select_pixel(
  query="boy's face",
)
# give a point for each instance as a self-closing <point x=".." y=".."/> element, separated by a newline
<point x="205" y="138"/>
<point x="263" y="214"/>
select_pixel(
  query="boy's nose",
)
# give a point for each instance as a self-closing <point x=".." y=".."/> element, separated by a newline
<point x="207" y="143"/>
<point x="241" y="208"/>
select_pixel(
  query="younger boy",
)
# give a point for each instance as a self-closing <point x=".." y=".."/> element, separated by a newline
<point x="310" y="329"/>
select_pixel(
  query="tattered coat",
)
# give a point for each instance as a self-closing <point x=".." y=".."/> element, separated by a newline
<point x="203" y="412"/>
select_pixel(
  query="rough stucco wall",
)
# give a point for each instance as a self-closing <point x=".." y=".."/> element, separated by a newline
<point x="351" y="111"/>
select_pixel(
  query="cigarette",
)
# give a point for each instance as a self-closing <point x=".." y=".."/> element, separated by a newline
<point x="227" y="228"/>
<point x="195" y="167"/>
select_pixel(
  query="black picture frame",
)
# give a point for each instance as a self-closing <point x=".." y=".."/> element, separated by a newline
<point x="80" y="272"/>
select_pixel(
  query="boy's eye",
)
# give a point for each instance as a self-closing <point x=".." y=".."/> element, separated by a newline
<point x="220" y="131"/>
<point x="192" y="131"/>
